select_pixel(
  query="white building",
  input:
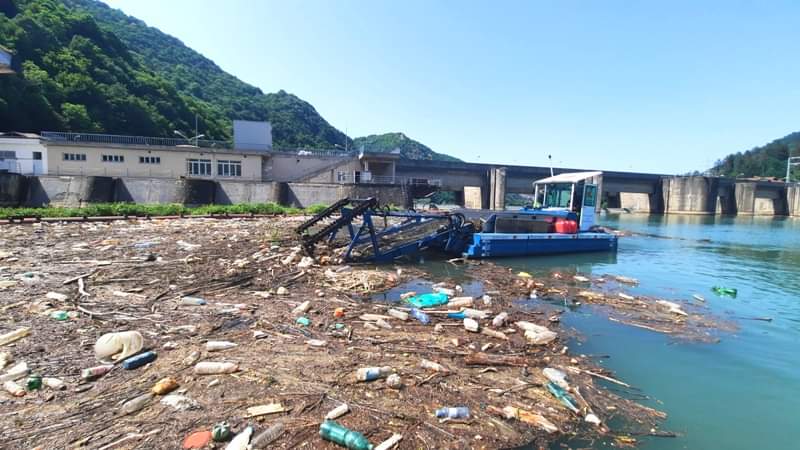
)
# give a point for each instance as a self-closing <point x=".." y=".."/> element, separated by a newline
<point x="5" y="60"/>
<point x="22" y="153"/>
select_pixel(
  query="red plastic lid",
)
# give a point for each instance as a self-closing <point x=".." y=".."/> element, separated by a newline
<point x="198" y="439"/>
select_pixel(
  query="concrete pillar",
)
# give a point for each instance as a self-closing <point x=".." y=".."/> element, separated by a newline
<point x="499" y="189"/>
<point x="473" y="197"/>
<point x="793" y="200"/>
<point x="745" y="193"/>
<point x="690" y="195"/>
<point x="13" y="189"/>
<point x="197" y="192"/>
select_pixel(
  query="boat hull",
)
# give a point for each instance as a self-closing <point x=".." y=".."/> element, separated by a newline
<point x="492" y="245"/>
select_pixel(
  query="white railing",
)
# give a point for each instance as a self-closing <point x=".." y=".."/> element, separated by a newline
<point x="350" y="178"/>
<point x="143" y="173"/>
<point x="94" y="138"/>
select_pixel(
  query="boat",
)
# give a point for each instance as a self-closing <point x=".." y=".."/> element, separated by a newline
<point x="561" y="220"/>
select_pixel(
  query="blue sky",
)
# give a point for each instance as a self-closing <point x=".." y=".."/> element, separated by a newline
<point x="663" y="87"/>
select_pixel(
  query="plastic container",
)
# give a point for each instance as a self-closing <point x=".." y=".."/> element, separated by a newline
<point x="556" y="376"/>
<point x="459" y="302"/>
<point x="14" y="335"/>
<point x="15" y="372"/>
<point x="33" y="383"/>
<point x="475" y="313"/>
<point x="457" y="315"/>
<point x="397" y="314"/>
<point x="394" y="381"/>
<point x="137" y="361"/>
<point x="725" y="292"/>
<point x="304" y="321"/>
<point x="428" y="300"/>
<point x="268" y="436"/>
<point x="215" y="368"/>
<point x="432" y="365"/>
<point x="221" y="432"/>
<point x="372" y="373"/>
<point x="112" y="347"/>
<point x="459" y="412"/>
<point x="215" y="346"/>
<point x="420" y="316"/>
<point x="54" y="383"/>
<point x="302" y="308"/>
<point x="193" y="301"/>
<point x="471" y="325"/>
<point x="337" y="412"/>
<point x="332" y="431"/>
<point x="14" y="389"/>
<point x="242" y="440"/>
<point x="562" y="395"/>
<point x="96" y="372"/>
<point x="132" y="406"/>
<point x="59" y="315"/>
<point x="389" y="443"/>
<point x="566" y="226"/>
<point x="500" y="319"/>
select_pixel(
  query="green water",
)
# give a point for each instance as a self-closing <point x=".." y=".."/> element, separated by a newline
<point x="741" y="393"/>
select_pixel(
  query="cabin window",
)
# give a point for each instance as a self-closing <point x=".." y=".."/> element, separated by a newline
<point x="590" y="196"/>
<point x="558" y="195"/>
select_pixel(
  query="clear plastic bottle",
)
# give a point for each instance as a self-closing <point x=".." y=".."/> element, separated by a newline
<point x="268" y="436"/>
<point x="337" y="412"/>
<point x="214" y="346"/>
<point x="136" y="404"/>
<point x="215" y="368"/>
<point x="242" y="440"/>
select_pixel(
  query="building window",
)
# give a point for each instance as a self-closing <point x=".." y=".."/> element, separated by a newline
<point x="229" y="168"/>
<point x="37" y="156"/>
<point x="200" y="167"/>
<point x="113" y="158"/>
<point x="74" y="156"/>
<point x="8" y="155"/>
<point x="149" y="160"/>
<point x="341" y="177"/>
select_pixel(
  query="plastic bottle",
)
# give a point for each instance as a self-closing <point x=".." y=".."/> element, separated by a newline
<point x="14" y="389"/>
<point x="456" y="315"/>
<point x="193" y="301"/>
<point x="389" y="443"/>
<point x="134" y="362"/>
<point x="54" y="383"/>
<point x="302" y="308"/>
<point x="431" y="365"/>
<point x="332" y="431"/>
<point x="459" y="412"/>
<point x="136" y="404"/>
<point x="471" y="325"/>
<point x="725" y="292"/>
<point x="59" y="315"/>
<point x="383" y="324"/>
<point x="266" y="437"/>
<point x="397" y="314"/>
<point x="372" y="373"/>
<point x="500" y="319"/>
<point x="96" y="372"/>
<point x="420" y="316"/>
<point x="214" y="346"/>
<point x="16" y="372"/>
<point x="562" y="395"/>
<point x="459" y="302"/>
<point x="33" y="383"/>
<point x="14" y="335"/>
<point x="221" y="432"/>
<point x="215" y="368"/>
<point x="556" y="376"/>
<point x="337" y="412"/>
<point x="242" y="440"/>
<point x="475" y="313"/>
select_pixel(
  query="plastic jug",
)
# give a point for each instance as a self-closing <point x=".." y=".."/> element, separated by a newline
<point x="332" y="431"/>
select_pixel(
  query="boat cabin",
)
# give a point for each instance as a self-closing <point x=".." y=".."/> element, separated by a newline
<point x="569" y="193"/>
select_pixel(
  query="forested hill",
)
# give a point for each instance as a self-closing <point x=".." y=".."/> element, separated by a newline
<point x="766" y="161"/>
<point x="83" y="66"/>
<point x="409" y="148"/>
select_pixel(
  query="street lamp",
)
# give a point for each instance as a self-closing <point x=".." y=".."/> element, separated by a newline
<point x="188" y="139"/>
<point x="792" y="161"/>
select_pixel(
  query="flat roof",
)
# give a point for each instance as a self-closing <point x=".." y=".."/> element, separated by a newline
<point x="572" y="177"/>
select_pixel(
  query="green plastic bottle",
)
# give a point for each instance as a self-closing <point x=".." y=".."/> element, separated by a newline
<point x="724" y="292"/>
<point x="332" y="431"/>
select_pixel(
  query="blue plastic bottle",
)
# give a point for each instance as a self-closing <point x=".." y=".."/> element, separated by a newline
<point x="137" y="361"/>
<point x="419" y="315"/>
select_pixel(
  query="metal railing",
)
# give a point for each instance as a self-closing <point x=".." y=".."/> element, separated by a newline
<point x="310" y="153"/>
<point x="350" y="178"/>
<point x="141" y="173"/>
<point x="94" y="138"/>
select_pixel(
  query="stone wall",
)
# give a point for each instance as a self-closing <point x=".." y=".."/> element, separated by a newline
<point x="302" y="195"/>
<point x="690" y="195"/>
<point x="634" y="202"/>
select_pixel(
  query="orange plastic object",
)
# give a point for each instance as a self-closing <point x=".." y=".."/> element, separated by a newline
<point x="338" y="312"/>
<point x="198" y="439"/>
<point x="566" y="226"/>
